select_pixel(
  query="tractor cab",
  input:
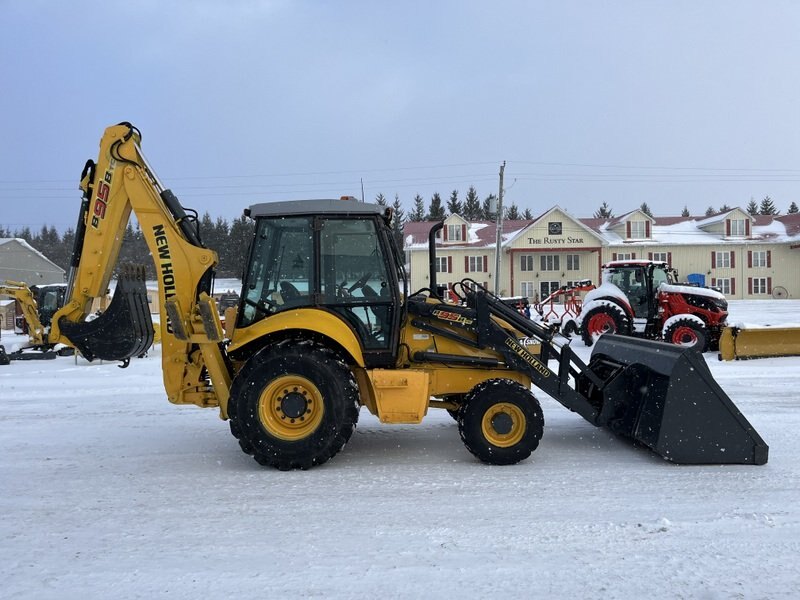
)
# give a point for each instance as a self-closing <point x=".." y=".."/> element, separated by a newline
<point x="335" y="255"/>
<point x="639" y="281"/>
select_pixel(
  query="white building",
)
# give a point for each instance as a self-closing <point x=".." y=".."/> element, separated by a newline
<point x="745" y="256"/>
<point x="19" y="261"/>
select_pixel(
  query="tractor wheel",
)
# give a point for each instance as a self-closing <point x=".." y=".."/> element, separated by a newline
<point x="296" y="405"/>
<point x="688" y="333"/>
<point x="500" y="422"/>
<point x="603" y="319"/>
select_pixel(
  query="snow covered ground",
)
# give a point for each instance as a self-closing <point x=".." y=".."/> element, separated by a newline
<point x="109" y="491"/>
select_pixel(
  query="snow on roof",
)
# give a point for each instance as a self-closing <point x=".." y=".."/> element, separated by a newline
<point x="27" y="246"/>
<point x="672" y="230"/>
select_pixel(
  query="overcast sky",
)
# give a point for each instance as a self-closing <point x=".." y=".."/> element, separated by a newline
<point x="671" y="103"/>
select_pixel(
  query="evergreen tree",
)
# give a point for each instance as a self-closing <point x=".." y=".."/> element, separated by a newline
<point x="381" y="200"/>
<point x="685" y="212"/>
<point x="25" y="234"/>
<point x="752" y="208"/>
<point x="487" y="209"/>
<point x="67" y="242"/>
<point x="645" y="209"/>
<point x="725" y="208"/>
<point x="792" y="209"/>
<point x="472" y="206"/>
<point x="710" y="211"/>
<point x="527" y="215"/>
<point x="418" y="213"/>
<point x="241" y="235"/>
<point x="436" y="210"/>
<point x="513" y="213"/>
<point x="454" y="204"/>
<point x="604" y="212"/>
<point x="767" y="207"/>
<point x="398" y="220"/>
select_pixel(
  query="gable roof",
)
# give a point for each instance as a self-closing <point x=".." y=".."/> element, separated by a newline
<point x="672" y="230"/>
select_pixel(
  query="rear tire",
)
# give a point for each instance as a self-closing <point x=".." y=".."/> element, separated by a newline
<point x="500" y="422"/>
<point x="687" y="333"/>
<point x="295" y="406"/>
<point x="603" y="319"/>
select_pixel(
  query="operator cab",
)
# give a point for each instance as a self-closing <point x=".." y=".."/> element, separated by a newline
<point x="333" y="255"/>
<point x="639" y="281"/>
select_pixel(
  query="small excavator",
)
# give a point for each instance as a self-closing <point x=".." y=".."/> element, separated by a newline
<point x="326" y="325"/>
<point x="37" y="305"/>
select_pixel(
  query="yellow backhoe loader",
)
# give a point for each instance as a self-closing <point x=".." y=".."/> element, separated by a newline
<point x="326" y="325"/>
<point x="36" y="306"/>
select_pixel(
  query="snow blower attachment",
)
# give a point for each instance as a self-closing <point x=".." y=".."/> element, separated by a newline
<point x="124" y="330"/>
<point x="664" y="397"/>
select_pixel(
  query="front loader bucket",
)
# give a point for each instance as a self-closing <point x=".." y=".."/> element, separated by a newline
<point x="124" y="330"/>
<point x="664" y="396"/>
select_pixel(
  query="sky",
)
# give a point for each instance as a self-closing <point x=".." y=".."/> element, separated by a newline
<point x="675" y="104"/>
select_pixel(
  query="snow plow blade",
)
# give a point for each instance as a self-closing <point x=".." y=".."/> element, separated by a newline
<point x="759" y="342"/>
<point x="664" y="397"/>
<point x="124" y="330"/>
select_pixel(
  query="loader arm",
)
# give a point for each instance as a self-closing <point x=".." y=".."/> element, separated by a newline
<point x="660" y="395"/>
<point x="121" y="182"/>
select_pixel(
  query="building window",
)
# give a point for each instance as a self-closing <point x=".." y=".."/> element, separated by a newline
<point x="724" y="285"/>
<point x="624" y="256"/>
<point x="723" y="260"/>
<point x="548" y="287"/>
<point x="573" y="262"/>
<point x="759" y="258"/>
<point x="759" y="285"/>
<point x="441" y="264"/>
<point x="550" y="262"/>
<point x="527" y="289"/>
<point x="526" y="262"/>
<point x="737" y="227"/>
<point x="638" y="230"/>
<point x="660" y="256"/>
<point x="454" y="233"/>
<point x="476" y="264"/>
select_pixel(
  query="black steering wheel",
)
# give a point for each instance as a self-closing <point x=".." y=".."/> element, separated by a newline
<point x="360" y="283"/>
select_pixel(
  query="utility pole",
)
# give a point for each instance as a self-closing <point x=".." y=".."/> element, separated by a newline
<point x="499" y="237"/>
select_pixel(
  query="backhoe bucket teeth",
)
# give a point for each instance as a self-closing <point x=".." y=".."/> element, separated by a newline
<point x="124" y="330"/>
<point x="664" y="396"/>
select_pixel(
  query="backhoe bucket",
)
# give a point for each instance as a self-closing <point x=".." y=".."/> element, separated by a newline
<point x="664" y="396"/>
<point x="124" y="330"/>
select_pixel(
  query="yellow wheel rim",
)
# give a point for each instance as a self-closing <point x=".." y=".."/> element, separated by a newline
<point x="291" y="408"/>
<point x="503" y="425"/>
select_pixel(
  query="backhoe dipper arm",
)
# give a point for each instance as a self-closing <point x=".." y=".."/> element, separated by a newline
<point x="120" y="182"/>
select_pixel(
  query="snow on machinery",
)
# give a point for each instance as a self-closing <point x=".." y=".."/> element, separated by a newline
<point x="642" y="298"/>
<point x="325" y="325"/>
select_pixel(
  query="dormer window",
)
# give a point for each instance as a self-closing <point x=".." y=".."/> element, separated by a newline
<point x="455" y="233"/>
<point x="737" y="227"/>
<point x="638" y="230"/>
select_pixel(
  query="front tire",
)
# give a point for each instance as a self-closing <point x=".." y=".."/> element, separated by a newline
<point x="295" y="405"/>
<point x="603" y="319"/>
<point x="500" y="422"/>
<point x="687" y="333"/>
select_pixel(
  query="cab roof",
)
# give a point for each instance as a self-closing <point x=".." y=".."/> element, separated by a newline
<point x="342" y="207"/>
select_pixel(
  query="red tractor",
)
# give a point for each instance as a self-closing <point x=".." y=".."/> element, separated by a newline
<point x="642" y="298"/>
